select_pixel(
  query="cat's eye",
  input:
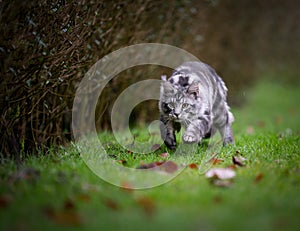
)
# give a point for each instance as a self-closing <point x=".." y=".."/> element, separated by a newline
<point x="185" y="105"/>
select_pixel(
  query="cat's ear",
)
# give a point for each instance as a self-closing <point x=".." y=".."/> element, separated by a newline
<point x="166" y="86"/>
<point x="194" y="89"/>
<point x="164" y="78"/>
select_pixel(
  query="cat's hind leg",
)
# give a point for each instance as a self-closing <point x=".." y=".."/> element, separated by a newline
<point x="227" y="134"/>
<point x="226" y="130"/>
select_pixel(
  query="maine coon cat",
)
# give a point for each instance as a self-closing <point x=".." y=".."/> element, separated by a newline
<point x="194" y="97"/>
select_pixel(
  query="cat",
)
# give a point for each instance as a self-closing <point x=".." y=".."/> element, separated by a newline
<point x="194" y="97"/>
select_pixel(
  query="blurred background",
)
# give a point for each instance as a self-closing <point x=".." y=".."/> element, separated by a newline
<point x="46" y="47"/>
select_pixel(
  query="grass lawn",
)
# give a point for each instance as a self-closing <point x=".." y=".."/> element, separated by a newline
<point x="57" y="191"/>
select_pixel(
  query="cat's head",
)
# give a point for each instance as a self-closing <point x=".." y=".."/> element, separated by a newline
<point x="180" y="104"/>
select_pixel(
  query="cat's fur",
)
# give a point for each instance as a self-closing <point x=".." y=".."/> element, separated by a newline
<point x="194" y="97"/>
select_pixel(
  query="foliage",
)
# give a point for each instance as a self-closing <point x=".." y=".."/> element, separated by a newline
<point x="46" y="47"/>
<point x="57" y="191"/>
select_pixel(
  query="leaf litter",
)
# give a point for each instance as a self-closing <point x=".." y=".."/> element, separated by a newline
<point x="223" y="177"/>
<point x="193" y="166"/>
<point x="68" y="215"/>
<point x="147" y="204"/>
<point x="164" y="166"/>
<point x="113" y="205"/>
<point x="220" y="173"/>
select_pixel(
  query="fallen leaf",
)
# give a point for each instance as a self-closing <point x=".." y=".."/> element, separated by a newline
<point x="111" y="204"/>
<point x="259" y="177"/>
<point x="155" y="147"/>
<point x="193" y="166"/>
<point x="164" y="155"/>
<point x="150" y="165"/>
<point x="69" y="205"/>
<point x="169" y="167"/>
<point x="84" y="197"/>
<point x="221" y="183"/>
<point x="215" y="161"/>
<point x="238" y="160"/>
<point x="147" y="204"/>
<point x="220" y="173"/>
<point x="165" y="166"/>
<point x="127" y="186"/>
<point x="232" y="166"/>
<point x="67" y="216"/>
<point x="158" y="163"/>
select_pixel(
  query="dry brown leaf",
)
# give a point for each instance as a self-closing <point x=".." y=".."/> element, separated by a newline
<point x="70" y="218"/>
<point x="232" y="166"/>
<point x="150" y="165"/>
<point x="259" y="177"/>
<point x="147" y="204"/>
<point x="220" y="173"/>
<point x="221" y="183"/>
<point x="111" y="204"/>
<point x="193" y="166"/>
<point x="67" y="216"/>
<point x="215" y="161"/>
<point x="84" y="197"/>
<point x="127" y="186"/>
<point x="169" y="167"/>
<point x="238" y="160"/>
<point x="69" y="205"/>
<point x="165" y="166"/>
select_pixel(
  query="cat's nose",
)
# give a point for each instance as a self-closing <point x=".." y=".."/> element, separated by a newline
<point x="176" y="114"/>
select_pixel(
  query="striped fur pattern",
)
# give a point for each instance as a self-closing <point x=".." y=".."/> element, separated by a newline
<point x="194" y="97"/>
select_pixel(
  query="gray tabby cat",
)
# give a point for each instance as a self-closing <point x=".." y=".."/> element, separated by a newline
<point x="194" y="97"/>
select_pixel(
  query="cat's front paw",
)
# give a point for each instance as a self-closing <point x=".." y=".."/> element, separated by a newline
<point x="189" y="138"/>
<point x="170" y="143"/>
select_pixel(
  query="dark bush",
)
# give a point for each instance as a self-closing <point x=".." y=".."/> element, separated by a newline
<point x="46" y="47"/>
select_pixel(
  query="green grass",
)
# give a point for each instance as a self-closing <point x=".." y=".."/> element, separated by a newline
<point x="64" y="193"/>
